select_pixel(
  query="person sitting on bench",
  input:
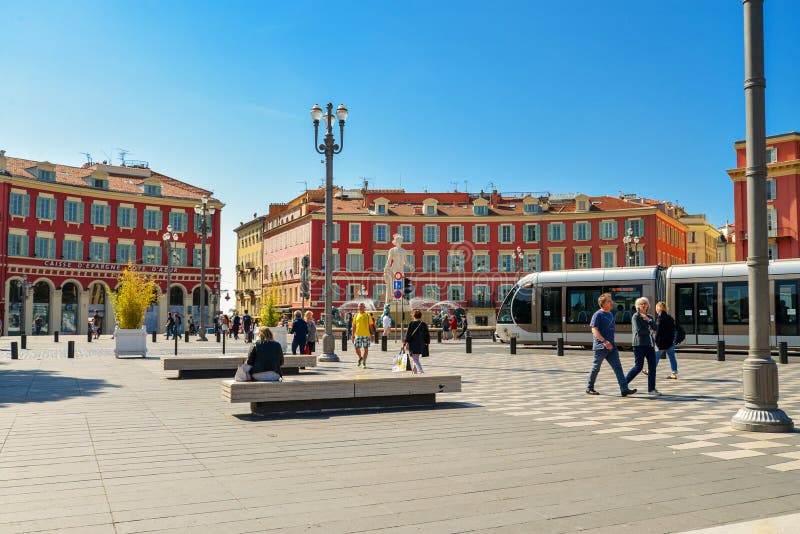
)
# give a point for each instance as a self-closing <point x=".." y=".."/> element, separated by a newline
<point x="266" y="357"/>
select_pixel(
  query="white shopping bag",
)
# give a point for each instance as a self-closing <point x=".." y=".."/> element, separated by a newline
<point x="400" y="363"/>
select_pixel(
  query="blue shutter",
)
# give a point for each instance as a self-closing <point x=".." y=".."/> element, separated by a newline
<point x="26" y="207"/>
<point x="107" y="215"/>
<point x="627" y="226"/>
<point x="81" y="209"/>
<point x="53" y="209"/>
<point x="589" y="260"/>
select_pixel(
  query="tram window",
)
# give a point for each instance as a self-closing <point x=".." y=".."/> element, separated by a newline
<point x="624" y="302"/>
<point x="521" y="305"/>
<point x="736" y="303"/>
<point x="581" y="304"/>
<point x="786" y="308"/>
<point x="504" y="314"/>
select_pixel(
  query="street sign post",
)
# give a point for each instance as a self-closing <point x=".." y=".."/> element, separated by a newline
<point x="397" y="285"/>
<point x="397" y="293"/>
<point x="398" y="275"/>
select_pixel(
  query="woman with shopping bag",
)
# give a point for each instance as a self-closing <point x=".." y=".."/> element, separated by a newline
<point x="417" y="337"/>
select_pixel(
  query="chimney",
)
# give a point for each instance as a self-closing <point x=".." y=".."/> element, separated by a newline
<point x="2" y="160"/>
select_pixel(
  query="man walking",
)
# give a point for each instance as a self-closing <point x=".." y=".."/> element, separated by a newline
<point x="602" y="324"/>
<point x="362" y="321"/>
<point x="247" y="325"/>
<point x="170" y="325"/>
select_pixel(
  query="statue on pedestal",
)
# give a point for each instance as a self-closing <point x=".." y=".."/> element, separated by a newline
<point x="395" y="261"/>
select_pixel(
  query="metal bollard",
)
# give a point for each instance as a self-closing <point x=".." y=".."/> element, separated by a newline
<point x="512" y="343"/>
<point x="186" y="336"/>
<point x="344" y="341"/>
<point x="55" y="336"/>
<point x="560" y="346"/>
<point x="492" y="334"/>
<point x="218" y="340"/>
<point x="384" y="343"/>
<point x="23" y="341"/>
<point x="89" y="336"/>
<point x="155" y="335"/>
<point x="783" y="352"/>
<point x="439" y="336"/>
<point x="14" y="351"/>
<point x="70" y="349"/>
<point x="469" y="342"/>
<point x="175" y="338"/>
<point x="720" y="351"/>
<point x="223" y="344"/>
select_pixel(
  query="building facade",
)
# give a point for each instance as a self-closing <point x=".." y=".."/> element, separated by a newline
<point x="465" y="249"/>
<point x="783" y="196"/>
<point x="249" y="265"/>
<point x="702" y="239"/>
<point x="67" y="233"/>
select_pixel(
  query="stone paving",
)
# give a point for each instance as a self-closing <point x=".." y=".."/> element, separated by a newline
<point x="98" y="444"/>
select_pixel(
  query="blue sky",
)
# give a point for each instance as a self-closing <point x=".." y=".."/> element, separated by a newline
<point x="567" y="96"/>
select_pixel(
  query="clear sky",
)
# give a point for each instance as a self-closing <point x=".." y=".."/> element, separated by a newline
<point x="563" y="96"/>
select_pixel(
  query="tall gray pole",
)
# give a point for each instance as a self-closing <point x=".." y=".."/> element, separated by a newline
<point x="203" y="298"/>
<point x="760" y="373"/>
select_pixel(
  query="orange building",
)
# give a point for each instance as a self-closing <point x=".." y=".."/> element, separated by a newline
<point x="783" y="196"/>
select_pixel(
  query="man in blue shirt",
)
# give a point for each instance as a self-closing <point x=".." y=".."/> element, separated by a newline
<point x="602" y="324"/>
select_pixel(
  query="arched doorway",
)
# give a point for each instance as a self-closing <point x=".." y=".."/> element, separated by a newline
<point x="97" y="304"/>
<point x="197" y="295"/>
<point x="15" y="299"/>
<point x="41" y="308"/>
<point x="151" y="314"/>
<point x="69" y="308"/>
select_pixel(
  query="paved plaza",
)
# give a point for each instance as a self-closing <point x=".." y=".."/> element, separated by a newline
<point x="96" y="444"/>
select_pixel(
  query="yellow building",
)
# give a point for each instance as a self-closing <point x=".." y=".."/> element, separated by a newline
<point x="726" y="246"/>
<point x="702" y="238"/>
<point x="249" y="265"/>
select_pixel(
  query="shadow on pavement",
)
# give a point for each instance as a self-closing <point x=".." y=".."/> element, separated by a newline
<point x="33" y="385"/>
<point x="344" y="413"/>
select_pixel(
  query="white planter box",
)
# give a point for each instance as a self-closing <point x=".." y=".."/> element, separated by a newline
<point x="130" y="342"/>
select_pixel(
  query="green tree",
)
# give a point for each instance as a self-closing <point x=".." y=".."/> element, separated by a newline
<point x="135" y="293"/>
<point x="270" y="316"/>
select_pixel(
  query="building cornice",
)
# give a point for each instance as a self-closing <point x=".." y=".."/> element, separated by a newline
<point x="772" y="139"/>
<point x="780" y="168"/>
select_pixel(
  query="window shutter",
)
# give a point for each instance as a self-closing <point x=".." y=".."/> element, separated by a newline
<point x="538" y="258"/>
<point x="499" y="233"/>
<point x="589" y="260"/>
<point x="107" y="215"/>
<point x="513" y="232"/>
<point x="627" y="226"/>
<point x="80" y="211"/>
<point x="614" y="230"/>
<point x="133" y="218"/>
<point x="375" y="232"/>
<point x="53" y="209"/>
<point x="120" y="211"/>
<point x="641" y="227"/>
<point x="575" y="227"/>
<point x="575" y="261"/>
<point x="437" y="239"/>
<point x="26" y="208"/>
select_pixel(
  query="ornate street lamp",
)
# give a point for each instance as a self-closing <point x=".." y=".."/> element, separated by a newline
<point x="518" y="257"/>
<point x="631" y="243"/>
<point x="24" y="289"/>
<point x="204" y="211"/>
<point x="169" y="236"/>
<point x="328" y="148"/>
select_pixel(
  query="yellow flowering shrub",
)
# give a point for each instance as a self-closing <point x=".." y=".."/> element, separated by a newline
<point x="135" y="293"/>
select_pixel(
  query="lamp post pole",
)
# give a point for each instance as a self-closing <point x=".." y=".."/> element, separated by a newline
<point x="24" y="289"/>
<point x="631" y="243"/>
<point x="518" y="256"/>
<point x="328" y="148"/>
<point x="169" y="236"/>
<point x="759" y="371"/>
<point x="204" y="211"/>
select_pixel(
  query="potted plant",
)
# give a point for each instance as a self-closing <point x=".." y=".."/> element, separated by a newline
<point x="134" y="294"/>
<point x="271" y="317"/>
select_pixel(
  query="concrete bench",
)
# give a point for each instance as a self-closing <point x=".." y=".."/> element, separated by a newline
<point x="222" y="366"/>
<point x="316" y="393"/>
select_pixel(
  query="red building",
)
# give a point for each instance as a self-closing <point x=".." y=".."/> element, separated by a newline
<point x="783" y="194"/>
<point x="465" y="248"/>
<point x="67" y="232"/>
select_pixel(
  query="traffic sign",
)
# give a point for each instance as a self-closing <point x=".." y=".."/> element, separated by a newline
<point x="398" y="294"/>
<point x="398" y="275"/>
<point x="397" y="284"/>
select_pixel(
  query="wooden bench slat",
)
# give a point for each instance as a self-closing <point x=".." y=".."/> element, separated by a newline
<point x="197" y="363"/>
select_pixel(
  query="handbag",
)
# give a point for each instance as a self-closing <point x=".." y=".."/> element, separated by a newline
<point x="307" y="350"/>
<point x="400" y="362"/>
<point x="243" y="373"/>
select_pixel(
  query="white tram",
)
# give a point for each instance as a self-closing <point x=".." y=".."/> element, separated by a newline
<point x="710" y="301"/>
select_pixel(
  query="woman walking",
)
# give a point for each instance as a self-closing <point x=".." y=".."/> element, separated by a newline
<point x="312" y="331"/>
<point x="642" y="326"/>
<point x="417" y="338"/>
<point x="665" y="337"/>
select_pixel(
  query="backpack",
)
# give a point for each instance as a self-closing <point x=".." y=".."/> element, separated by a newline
<point x="681" y="334"/>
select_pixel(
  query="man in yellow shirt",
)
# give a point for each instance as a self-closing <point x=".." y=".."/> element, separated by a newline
<point x="362" y="331"/>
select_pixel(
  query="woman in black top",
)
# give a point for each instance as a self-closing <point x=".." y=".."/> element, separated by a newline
<point x="666" y="332"/>
<point x="266" y="357"/>
<point x="417" y="338"/>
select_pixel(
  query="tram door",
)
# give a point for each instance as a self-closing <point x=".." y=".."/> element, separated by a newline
<point x="696" y="312"/>
<point x="551" y="313"/>
<point x="786" y="325"/>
